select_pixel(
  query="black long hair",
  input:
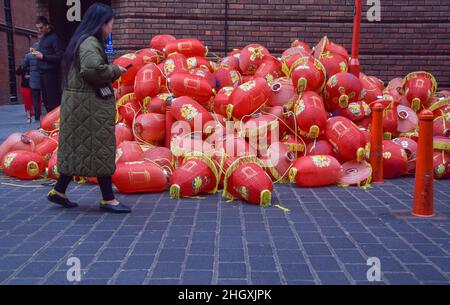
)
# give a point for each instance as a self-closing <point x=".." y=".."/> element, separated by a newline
<point x="96" y="16"/>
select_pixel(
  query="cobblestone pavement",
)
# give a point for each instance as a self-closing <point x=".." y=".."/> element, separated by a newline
<point x="326" y="237"/>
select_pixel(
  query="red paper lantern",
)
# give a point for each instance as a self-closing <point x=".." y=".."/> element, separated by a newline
<point x="356" y="111"/>
<point x="279" y="160"/>
<point x="248" y="97"/>
<point x="226" y="77"/>
<point x="184" y="145"/>
<point x="16" y="141"/>
<point x="199" y="62"/>
<point x="441" y="125"/>
<point x="159" y="42"/>
<point x="310" y="114"/>
<point x="251" y="57"/>
<point x="410" y="147"/>
<point x="205" y="74"/>
<point x="130" y="110"/>
<point x="128" y="151"/>
<point x="314" y="171"/>
<point x="372" y="88"/>
<point x="231" y="63"/>
<point x="150" y="127"/>
<point x="46" y="148"/>
<point x="37" y="135"/>
<point x="161" y="156"/>
<point x="419" y="88"/>
<point x="158" y="104"/>
<point x="189" y="47"/>
<point x="269" y="69"/>
<point x="441" y="164"/>
<point x="222" y="100"/>
<point x="196" y="87"/>
<point x="308" y="74"/>
<point x="123" y="90"/>
<point x="123" y="133"/>
<point x="132" y="60"/>
<point x="342" y="89"/>
<point x="284" y="93"/>
<point x="175" y="63"/>
<point x="148" y="82"/>
<point x="50" y="122"/>
<point x="52" y="167"/>
<point x="140" y="177"/>
<point x="245" y="179"/>
<point x="196" y="176"/>
<point x="395" y="160"/>
<point x="346" y="138"/>
<point x="333" y="63"/>
<point x="149" y="56"/>
<point x="188" y="110"/>
<point x="24" y="165"/>
<point x="325" y="45"/>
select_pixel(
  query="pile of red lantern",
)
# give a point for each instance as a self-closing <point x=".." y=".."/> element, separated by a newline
<point x="192" y="125"/>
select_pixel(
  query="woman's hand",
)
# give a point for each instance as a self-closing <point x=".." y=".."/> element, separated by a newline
<point x="37" y="54"/>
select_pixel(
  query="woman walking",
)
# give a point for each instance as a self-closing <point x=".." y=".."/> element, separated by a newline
<point x="87" y="143"/>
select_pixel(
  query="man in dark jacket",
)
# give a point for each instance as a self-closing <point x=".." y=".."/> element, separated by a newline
<point x="49" y="54"/>
<point x="32" y="64"/>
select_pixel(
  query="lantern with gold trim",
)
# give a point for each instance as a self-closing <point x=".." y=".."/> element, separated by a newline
<point x="222" y="100"/>
<point x="291" y="56"/>
<point x="333" y="63"/>
<point x="131" y="59"/>
<point x="149" y="56"/>
<point x="184" y="145"/>
<point x="315" y="171"/>
<point x="128" y="151"/>
<point x="24" y="165"/>
<point x="355" y="173"/>
<point x="310" y="114"/>
<point x="16" y="141"/>
<point x="50" y="122"/>
<point x="52" y="167"/>
<point x="419" y="88"/>
<point x="150" y="127"/>
<point x="231" y="63"/>
<point x="346" y="138"/>
<point x="158" y="104"/>
<point x="395" y="160"/>
<point x="321" y="147"/>
<point x="226" y="77"/>
<point x="189" y="47"/>
<point x="245" y="179"/>
<point x="140" y="177"/>
<point x="407" y="119"/>
<point x="175" y="63"/>
<point x="296" y="144"/>
<point x="269" y="69"/>
<point x="410" y="147"/>
<point x="46" y="148"/>
<point x="251" y="57"/>
<point x="161" y="156"/>
<point x="199" y="62"/>
<point x="284" y="93"/>
<point x="372" y="88"/>
<point x="441" y="125"/>
<point x="148" y="82"/>
<point x="441" y="164"/>
<point x="205" y="74"/>
<point x="248" y="97"/>
<point x="159" y="42"/>
<point x="325" y="45"/>
<point x="278" y="161"/>
<point x="196" y="87"/>
<point x="123" y="90"/>
<point x="129" y="110"/>
<point x="234" y="145"/>
<point x="188" y="110"/>
<point x="300" y="44"/>
<point x="308" y="74"/>
<point x="342" y="89"/>
<point x="356" y="111"/>
<point x="441" y="143"/>
<point x="196" y="176"/>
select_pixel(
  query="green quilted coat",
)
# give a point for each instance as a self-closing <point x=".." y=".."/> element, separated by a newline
<point x="87" y="142"/>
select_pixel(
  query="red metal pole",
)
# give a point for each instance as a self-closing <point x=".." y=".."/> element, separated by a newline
<point x="424" y="181"/>
<point x="376" y="143"/>
<point x="354" y="65"/>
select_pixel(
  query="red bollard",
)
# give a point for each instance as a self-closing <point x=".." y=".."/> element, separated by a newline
<point x="376" y="143"/>
<point x="169" y="122"/>
<point x="354" y="65"/>
<point x="424" y="180"/>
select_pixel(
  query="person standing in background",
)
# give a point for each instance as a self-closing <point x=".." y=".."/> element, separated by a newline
<point x="49" y="54"/>
<point x="31" y="63"/>
<point x="25" y="91"/>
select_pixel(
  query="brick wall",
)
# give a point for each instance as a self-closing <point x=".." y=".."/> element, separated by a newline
<point x="23" y="15"/>
<point x="413" y="34"/>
